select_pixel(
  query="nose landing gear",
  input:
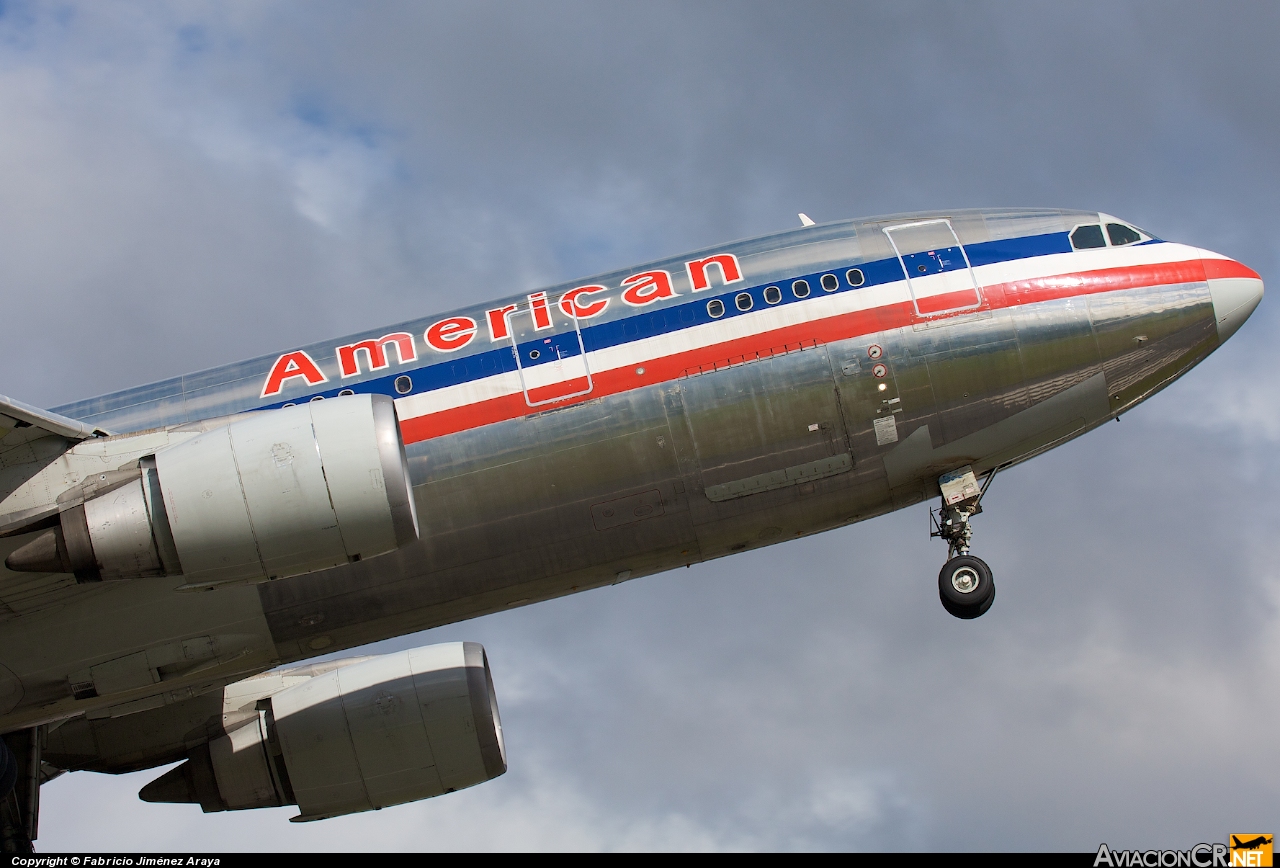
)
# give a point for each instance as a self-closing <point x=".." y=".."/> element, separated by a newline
<point x="965" y="585"/>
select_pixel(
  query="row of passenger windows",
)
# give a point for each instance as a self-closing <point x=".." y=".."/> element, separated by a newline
<point x="404" y="386"/>
<point x="1090" y="236"/>
<point x="744" y="301"/>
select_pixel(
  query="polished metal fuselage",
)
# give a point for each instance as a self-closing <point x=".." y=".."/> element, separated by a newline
<point x="850" y="417"/>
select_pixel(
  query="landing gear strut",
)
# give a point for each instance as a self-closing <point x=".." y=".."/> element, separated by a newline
<point x="965" y="585"/>
<point x="20" y="777"/>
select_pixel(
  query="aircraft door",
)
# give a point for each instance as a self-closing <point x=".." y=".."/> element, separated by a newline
<point x="767" y="424"/>
<point x="551" y="358"/>
<point x="938" y="270"/>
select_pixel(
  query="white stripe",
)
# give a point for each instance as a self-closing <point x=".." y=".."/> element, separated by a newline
<point x="460" y="395"/>
<point x="1055" y="264"/>
<point x="817" y="307"/>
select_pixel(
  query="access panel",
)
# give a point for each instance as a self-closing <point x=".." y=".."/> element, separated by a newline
<point x="767" y="424"/>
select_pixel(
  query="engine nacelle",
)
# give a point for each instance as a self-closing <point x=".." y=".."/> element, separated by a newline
<point x="383" y="731"/>
<point x="272" y="494"/>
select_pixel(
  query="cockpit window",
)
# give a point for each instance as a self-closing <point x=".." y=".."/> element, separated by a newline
<point x="1121" y="234"/>
<point x="1085" y="237"/>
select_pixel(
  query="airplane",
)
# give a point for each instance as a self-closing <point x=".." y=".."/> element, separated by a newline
<point x="175" y="553"/>
<point x="1251" y="844"/>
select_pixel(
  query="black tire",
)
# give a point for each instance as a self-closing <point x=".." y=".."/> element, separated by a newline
<point x="965" y="587"/>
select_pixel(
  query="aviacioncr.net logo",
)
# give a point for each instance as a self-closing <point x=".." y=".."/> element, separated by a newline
<point x="1199" y="856"/>
<point x="1245" y="851"/>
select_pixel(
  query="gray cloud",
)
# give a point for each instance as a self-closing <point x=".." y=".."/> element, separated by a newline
<point x="185" y="185"/>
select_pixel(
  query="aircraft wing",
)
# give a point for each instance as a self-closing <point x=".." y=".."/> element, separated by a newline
<point x="29" y="439"/>
<point x="30" y="423"/>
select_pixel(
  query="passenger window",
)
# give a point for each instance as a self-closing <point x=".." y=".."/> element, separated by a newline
<point x="743" y="301"/>
<point x="830" y="282"/>
<point x="345" y="392"/>
<point x="715" y="308"/>
<point x="800" y="289"/>
<point x="404" y="385"/>
<point x="1086" y="237"/>
<point x="1121" y="234"/>
<point x="855" y="277"/>
<point x="772" y="294"/>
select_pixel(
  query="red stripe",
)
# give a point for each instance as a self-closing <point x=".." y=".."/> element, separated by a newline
<point x="1218" y="268"/>
<point x="1019" y="292"/>
<point x="562" y="389"/>
<point x="948" y="301"/>
<point x="864" y="322"/>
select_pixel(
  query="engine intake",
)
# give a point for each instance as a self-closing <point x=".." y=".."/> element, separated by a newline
<point x="380" y="732"/>
<point x="273" y="494"/>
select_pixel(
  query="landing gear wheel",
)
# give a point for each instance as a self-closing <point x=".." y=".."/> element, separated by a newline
<point x="965" y="586"/>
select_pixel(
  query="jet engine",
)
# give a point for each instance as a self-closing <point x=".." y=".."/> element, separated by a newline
<point x="271" y="494"/>
<point x="378" y="732"/>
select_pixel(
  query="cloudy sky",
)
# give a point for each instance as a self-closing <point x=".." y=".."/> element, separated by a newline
<point x="187" y="184"/>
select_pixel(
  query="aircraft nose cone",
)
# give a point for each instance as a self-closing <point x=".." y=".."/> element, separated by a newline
<point x="1236" y="290"/>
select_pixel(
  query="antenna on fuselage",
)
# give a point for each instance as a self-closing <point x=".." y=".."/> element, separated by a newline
<point x="804" y="219"/>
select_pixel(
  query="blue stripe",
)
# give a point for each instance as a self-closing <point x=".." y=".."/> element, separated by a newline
<point x="666" y="320"/>
<point x="1009" y="249"/>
